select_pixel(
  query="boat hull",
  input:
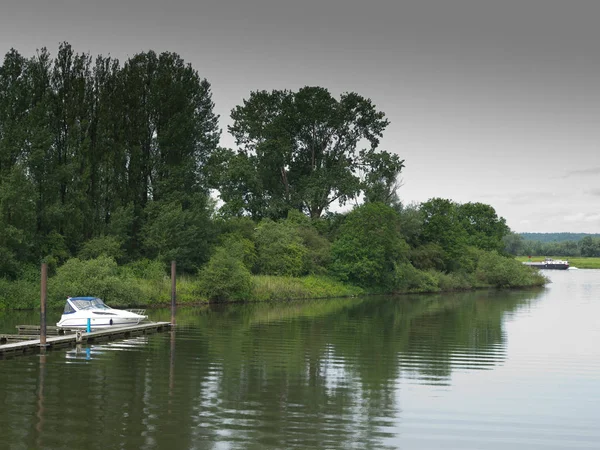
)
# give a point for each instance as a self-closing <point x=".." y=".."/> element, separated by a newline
<point x="548" y="265"/>
<point x="97" y="323"/>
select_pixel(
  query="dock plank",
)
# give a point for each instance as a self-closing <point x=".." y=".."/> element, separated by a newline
<point x="28" y="345"/>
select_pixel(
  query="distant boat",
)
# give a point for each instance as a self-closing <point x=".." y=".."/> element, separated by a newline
<point x="554" y="264"/>
<point x="79" y="309"/>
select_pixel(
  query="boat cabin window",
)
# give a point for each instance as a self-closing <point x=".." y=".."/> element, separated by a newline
<point x="94" y="303"/>
<point x="68" y="309"/>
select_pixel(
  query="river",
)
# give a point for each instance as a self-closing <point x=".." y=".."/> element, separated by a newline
<point x="483" y="370"/>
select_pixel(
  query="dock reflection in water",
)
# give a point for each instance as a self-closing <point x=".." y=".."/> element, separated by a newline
<point x="451" y="371"/>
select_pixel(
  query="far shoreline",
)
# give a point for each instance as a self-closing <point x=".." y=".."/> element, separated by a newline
<point x="578" y="262"/>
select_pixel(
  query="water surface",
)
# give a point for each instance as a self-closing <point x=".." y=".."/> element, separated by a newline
<point x="486" y="370"/>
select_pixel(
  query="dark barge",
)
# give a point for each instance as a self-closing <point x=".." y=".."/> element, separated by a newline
<point x="553" y="264"/>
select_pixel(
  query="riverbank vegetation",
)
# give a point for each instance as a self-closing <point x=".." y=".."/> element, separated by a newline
<point x="563" y="245"/>
<point x="580" y="263"/>
<point x="109" y="171"/>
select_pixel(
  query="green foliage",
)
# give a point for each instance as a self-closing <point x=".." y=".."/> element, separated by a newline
<point x="407" y="278"/>
<point x="300" y="151"/>
<point x="556" y="237"/>
<point x="174" y="232"/>
<point x="19" y="294"/>
<point x="500" y="271"/>
<point x="427" y="256"/>
<point x="101" y="246"/>
<point x="279" y="249"/>
<point x="589" y="246"/>
<point x="239" y="226"/>
<point x="369" y="246"/>
<point x="225" y="278"/>
<point x="87" y="146"/>
<point x="483" y="226"/>
<point x="241" y="248"/>
<point x="95" y="277"/>
<point x="448" y="282"/>
<point x="121" y="225"/>
<point x="145" y="269"/>
<point x="513" y="244"/>
<point x="381" y="178"/>
<point x="411" y="223"/>
<point x="318" y="248"/>
<point x="114" y="163"/>
<point x="268" y="288"/>
<point x="455" y="227"/>
<point x="442" y="226"/>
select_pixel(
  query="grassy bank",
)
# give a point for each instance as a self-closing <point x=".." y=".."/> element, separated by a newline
<point x="146" y="284"/>
<point x="579" y="262"/>
<point x="267" y="288"/>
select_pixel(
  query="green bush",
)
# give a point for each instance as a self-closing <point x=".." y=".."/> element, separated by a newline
<point x="19" y="294"/>
<point x="145" y="269"/>
<point x="279" y="248"/>
<point x="225" y="277"/>
<point x="101" y="246"/>
<point x="318" y="251"/>
<point x="97" y="277"/>
<point x="427" y="256"/>
<point x="456" y="281"/>
<point x="500" y="271"/>
<point x="241" y="248"/>
<point x="410" y="279"/>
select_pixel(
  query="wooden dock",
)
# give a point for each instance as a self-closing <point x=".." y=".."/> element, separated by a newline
<point x="27" y="341"/>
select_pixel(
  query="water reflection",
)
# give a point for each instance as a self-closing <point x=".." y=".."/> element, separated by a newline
<point x="39" y="427"/>
<point x="317" y="374"/>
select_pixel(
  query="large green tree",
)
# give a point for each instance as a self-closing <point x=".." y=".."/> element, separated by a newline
<point x="442" y="226"/>
<point x="304" y="150"/>
<point x="369" y="247"/>
<point x="485" y="228"/>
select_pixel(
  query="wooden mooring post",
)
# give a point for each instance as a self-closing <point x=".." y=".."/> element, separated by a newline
<point x="173" y="292"/>
<point x="43" y="300"/>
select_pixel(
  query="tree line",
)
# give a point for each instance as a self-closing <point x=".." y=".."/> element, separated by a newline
<point x="99" y="158"/>
<point x="556" y="237"/>
<point x="524" y="245"/>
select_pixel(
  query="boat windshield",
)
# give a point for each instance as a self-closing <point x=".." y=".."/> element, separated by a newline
<point x="94" y="303"/>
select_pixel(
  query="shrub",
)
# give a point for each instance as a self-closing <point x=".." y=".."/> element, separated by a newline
<point x="279" y="248"/>
<point x="19" y="294"/>
<point x="457" y="281"/>
<point x="225" y="277"/>
<point x="146" y="269"/>
<point x="500" y="271"/>
<point x="428" y="256"/>
<point x="95" y="277"/>
<point x="101" y="246"/>
<point x="410" y="279"/>
<point x="241" y="248"/>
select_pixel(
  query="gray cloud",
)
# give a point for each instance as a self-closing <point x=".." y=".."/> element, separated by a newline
<point x="583" y="172"/>
<point x="594" y="192"/>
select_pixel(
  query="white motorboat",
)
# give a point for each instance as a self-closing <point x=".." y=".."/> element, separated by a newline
<point x="79" y="309"/>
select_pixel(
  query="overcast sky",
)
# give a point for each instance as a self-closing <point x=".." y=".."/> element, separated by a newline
<point x="492" y="101"/>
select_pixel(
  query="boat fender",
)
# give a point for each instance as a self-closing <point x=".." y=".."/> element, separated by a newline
<point x="110" y="321"/>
